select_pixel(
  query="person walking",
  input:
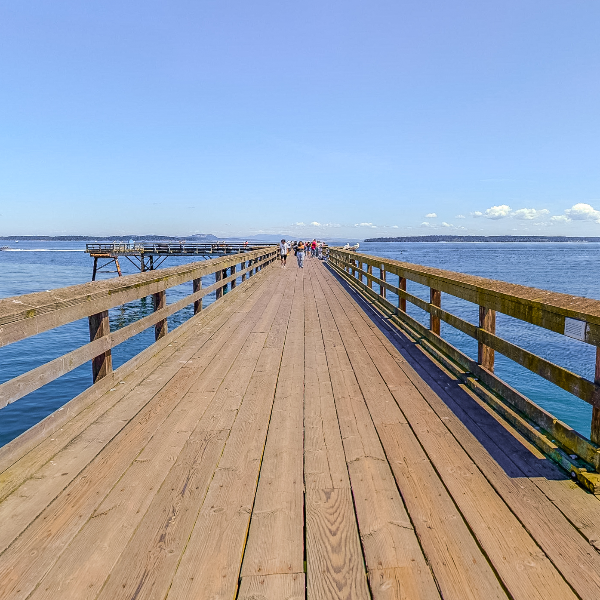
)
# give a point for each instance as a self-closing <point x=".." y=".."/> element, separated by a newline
<point x="313" y="248"/>
<point x="300" y="254"/>
<point x="284" y="248"/>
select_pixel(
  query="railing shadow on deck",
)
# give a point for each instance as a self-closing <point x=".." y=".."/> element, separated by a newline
<point x="563" y="314"/>
<point x="515" y="459"/>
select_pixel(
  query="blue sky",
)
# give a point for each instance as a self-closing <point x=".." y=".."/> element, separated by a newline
<point x="337" y="119"/>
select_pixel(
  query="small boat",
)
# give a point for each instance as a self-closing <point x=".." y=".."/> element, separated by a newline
<point x="4" y="248"/>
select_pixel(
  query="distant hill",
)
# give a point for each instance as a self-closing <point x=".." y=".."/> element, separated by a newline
<point x="110" y="238"/>
<point x="484" y="238"/>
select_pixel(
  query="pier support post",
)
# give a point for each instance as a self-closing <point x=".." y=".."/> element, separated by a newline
<point x="487" y="322"/>
<point x="99" y="327"/>
<point x="242" y="267"/>
<point x="370" y="272"/>
<point x="233" y="281"/>
<point x="595" y="435"/>
<point x="160" y="301"/>
<point x="219" y="290"/>
<point x="197" y="286"/>
<point x="435" y="298"/>
<point x="401" y="300"/>
<point x="95" y="268"/>
<point x="224" y="276"/>
<point x="382" y="276"/>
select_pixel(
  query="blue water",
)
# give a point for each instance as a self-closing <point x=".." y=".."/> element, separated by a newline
<point x="561" y="267"/>
<point x="569" y="268"/>
<point x="40" y="266"/>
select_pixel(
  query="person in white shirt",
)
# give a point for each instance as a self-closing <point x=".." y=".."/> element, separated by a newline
<point x="284" y="248"/>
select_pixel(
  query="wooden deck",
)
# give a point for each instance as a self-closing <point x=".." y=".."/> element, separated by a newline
<point x="292" y="444"/>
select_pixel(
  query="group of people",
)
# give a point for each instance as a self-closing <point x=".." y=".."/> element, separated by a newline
<point x="301" y="250"/>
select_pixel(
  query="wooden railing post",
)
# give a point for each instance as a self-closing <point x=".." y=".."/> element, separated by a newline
<point x="160" y="301"/>
<point x="242" y="267"/>
<point x="99" y="327"/>
<point x="435" y="298"/>
<point x="233" y="281"/>
<point x="224" y="276"/>
<point x="595" y="435"/>
<point x="218" y="277"/>
<point x="487" y="322"/>
<point x="370" y="272"/>
<point x="382" y="289"/>
<point x="197" y="283"/>
<point x="401" y="300"/>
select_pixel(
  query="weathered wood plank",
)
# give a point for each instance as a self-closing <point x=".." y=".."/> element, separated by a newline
<point x="210" y="566"/>
<point x="272" y="587"/>
<point x="276" y="538"/>
<point x="335" y="566"/>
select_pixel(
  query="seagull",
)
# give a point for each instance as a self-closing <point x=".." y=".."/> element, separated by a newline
<point x="355" y="247"/>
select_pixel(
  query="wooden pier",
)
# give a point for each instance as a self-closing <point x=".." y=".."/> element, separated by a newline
<point x="295" y="439"/>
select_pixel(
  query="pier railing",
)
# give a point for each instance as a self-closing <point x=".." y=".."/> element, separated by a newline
<point x="573" y="316"/>
<point x="24" y="316"/>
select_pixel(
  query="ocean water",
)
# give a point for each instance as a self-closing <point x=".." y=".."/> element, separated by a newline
<point x="569" y="268"/>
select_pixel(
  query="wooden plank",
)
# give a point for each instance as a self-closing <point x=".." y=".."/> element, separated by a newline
<point x="272" y="587"/>
<point x="489" y="519"/>
<point x="334" y="559"/>
<point x="334" y="562"/>
<point x="149" y="561"/>
<point x="210" y="565"/>
<point x="389" y="541"/>
<point x="64" y="517"/>
<point x="276" y="538"/>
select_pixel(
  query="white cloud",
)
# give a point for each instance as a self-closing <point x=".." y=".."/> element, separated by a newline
<point x="315" y="224"/>
<point x="300" y="224"/>
<point x="431" y="216"/>
<point x="477" y="214"/>
<point x="497" y="212"/>
<point x="460" y="217"/>
<point x="444" y="224"/>
<point x="583" y="212"/>
<point x="394" y="226"/>
<point x="560" y="219"/>
<point x="528" y="214"/>
<point x="425" y="224"/>
<point x="365" y="225"/>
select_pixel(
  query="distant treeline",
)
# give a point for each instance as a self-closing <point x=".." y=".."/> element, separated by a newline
<point x="110" y="238"/>
<point x="484" y="238"/>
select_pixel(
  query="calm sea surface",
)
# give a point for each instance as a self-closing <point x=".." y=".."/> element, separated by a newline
<point x="568" y="268"/>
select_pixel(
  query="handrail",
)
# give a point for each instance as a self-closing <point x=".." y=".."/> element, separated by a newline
<point x="30" y="314"/>
<point x="562" y="313"/>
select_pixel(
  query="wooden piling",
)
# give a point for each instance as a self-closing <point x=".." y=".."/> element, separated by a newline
<point x="487" y="322"/>
<point x="401" y="300"/>
<point x="197" y="286"/>
<point x="160" y="301"/>
<point x="219" y="290"/>
<point x="382" y="289"/>
<point x="242" y="267"/>
<point x="370" y="272"/>
<point x="99" y="327"/>
<point x="233" y="281"/>
<point x="435" y="299"/>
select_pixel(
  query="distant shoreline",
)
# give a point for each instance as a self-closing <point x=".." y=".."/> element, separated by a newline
<point x="484" y="238"/>
<point x="107" y="238"/>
